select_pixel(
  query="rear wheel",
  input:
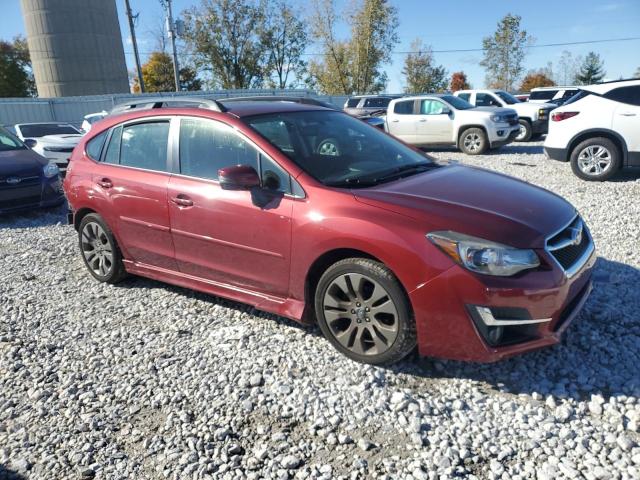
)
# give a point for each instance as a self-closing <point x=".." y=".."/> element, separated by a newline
<point x="596" y="159"/>
<point x="473" y="141"/>
<point x="525" y="131"/>
<point x="100" y="250"/>
<point x="363" y="311"/>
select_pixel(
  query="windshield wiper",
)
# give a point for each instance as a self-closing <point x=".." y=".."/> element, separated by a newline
<point x="404" y="170"/>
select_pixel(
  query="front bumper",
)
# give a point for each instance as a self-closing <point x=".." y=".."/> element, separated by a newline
<point x="447" y="329"/>
<point x="48" y="193"/>
<point x="538" y="127"/>
<point x="511" y="133"/>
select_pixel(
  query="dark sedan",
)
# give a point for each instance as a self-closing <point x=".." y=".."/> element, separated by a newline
<point x="27" y="180"/>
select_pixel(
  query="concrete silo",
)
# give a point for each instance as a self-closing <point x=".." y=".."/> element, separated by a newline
<point x="75" y="47"/>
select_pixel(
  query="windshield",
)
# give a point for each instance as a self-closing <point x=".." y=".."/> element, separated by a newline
<point x="339" y="150"/>
<point x="8" y="142"/>
<point x="41" y="129"/>
<point x="457" y="103"/>
<point x="507" y="97"/>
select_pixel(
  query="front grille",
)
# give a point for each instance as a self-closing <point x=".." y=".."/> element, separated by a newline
<point x="512" y="119"/>
<point x="6" y="183"/>
<point x="569" y="247"/>
<point x="59" y="149"/>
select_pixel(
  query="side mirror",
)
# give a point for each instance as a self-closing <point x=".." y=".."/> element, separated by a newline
<point x="445" y="111"/>
<point x="238" y="177"/>
<point x="30" y="142"/>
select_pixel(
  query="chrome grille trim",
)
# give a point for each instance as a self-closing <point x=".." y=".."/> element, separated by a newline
<point x="568" y="239"/>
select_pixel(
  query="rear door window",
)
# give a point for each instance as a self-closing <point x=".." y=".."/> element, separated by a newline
<point x="377" y="102"/>
<point x="486" y="100"/>
<point x="543" y="95"/>
<point x="113" y="149"/>
<point x="403" y="108"/>
<point x="629" y="95"/>
<point x="94" y="146"/>
<point x="353" y="102"/>
<point x="431" y="107"/>
<point x="144" y="145"/>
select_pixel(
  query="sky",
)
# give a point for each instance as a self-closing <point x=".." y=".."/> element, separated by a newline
<point x="444" y="25"/>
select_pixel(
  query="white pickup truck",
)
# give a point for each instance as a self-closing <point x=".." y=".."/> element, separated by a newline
<point x="428" y="120"/>
<point x="533" y="117"/>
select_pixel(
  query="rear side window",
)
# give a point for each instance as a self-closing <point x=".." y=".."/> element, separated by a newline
<point x="543" y="95"/>
<point x="144" y="145"/>
<point x="629" y="95"/>
<point x="353" y="102"/>
<point x="113" y="150"/>
<point x="486" y="100"/>
<point x="94" y="146"/>
<point x="207" y="146"/>
<point x="377" y="102"/>
<point x="403" y="108"/>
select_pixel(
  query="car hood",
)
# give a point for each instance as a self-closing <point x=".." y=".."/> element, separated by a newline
<point x="70" y="140"/>
<point x="21" y="163"/>
<point x="493" y="110"/>
<point x="475" y="202"/>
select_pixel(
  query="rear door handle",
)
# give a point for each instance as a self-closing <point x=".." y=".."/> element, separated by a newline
<point x="182" y="200"/>
<point x="395" y="121"/>
<point x="105" y="183"/>
<point x="628" y="114"/>
<point x="422" y="120"/>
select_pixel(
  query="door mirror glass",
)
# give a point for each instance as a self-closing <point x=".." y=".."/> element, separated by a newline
<point x="238" y="177"/>
<point x="446" y="111"/>
<point x="30" y="142"/>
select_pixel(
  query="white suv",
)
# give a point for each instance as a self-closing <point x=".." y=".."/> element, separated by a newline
<point x="534" y="117"/>
<point x="447" y="120"/>
<point x="556" y="95"/>
<point x="598" y="130"/>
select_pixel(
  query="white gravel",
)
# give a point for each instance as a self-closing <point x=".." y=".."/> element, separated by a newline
<point x="144" y="380"/>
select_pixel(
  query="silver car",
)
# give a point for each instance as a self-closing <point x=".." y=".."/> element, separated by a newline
<point x="361" y="105"/>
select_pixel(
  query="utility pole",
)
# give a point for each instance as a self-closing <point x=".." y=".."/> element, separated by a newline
<point x="171" y="30"/>
<point x="135" y="44"/>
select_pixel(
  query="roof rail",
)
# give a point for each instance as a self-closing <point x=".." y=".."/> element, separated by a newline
<point x="163" y="102"/>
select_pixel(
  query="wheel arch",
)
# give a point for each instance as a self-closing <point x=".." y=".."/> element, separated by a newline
<point x="79" y="215"/>
<point x="600" y="132"/>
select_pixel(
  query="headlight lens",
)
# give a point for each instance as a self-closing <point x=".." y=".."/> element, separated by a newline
<point x="50" y="170"/>
<point x="498" y="118"/>
<point x="483" y="256"/>
<point x="542" y="112"/>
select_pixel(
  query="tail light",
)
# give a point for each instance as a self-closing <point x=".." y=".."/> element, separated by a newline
<point x="559" y="116"/>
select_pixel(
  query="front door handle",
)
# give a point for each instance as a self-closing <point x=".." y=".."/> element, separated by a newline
<point x="422" y="120"/>
<point x="628" y="114"/>
<point x="182" y="201"/>
<point x="105" y="183"/>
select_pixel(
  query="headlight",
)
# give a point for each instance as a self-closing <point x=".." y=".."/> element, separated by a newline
<point x="499" y="118"/>
<point x="50" y="170"/>
<point x="542" y="112"/>
<point x="483" y="256"/>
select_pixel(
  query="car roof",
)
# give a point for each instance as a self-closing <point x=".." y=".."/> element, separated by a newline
<point x="556" y="87"/>
<point x="424" y="95"/>
<point x="43" y="123"/>
<point x="246" y="109"/>
<point x="604" y="87"/>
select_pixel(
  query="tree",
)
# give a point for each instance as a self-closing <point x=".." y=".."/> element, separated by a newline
<point x="285" y="37"/>
<point x="225" y="38"/>
<point x="157" y="74"/>
<point x="16" y="77"/>
<point x="421" y="74"/>
<point x="637" y="74"/>
<point x="567" y="69"/>
<point x="353" y="65"/>
<point x="591" y="71"/>
<point x="504" y="53"/>
<point x="535" y="79"/>
<point x="459" y="82"/>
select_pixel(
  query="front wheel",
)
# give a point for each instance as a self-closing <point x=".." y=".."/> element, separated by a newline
<point x="100" y="250"/>
<point x="473" y="141"/>
<point x="525" y="133"/>
<point x="363" y="311"/>
<point x="596" y="159"/>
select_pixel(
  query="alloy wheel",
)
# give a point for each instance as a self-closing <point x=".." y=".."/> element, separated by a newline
<point x="96" y="249"/>
<point x="594" y="160"/>
<point x="522" y="133"/>
<point x="329" y="148"/>
<point x="360" y="314"/>
<point x="472" y="142"/>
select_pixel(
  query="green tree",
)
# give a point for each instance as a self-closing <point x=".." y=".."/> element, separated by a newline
<point x="157" y="74"/>
<point x="504" y="53"/>
<point x="459" y="82"/>
<point x="535" y="79"/>
<point x="422" y="75"/>
<point x="226" y="40"/>
<point x="285" y="37"/>
<point x="591" y="71"/>
<point x="16" y="77"/>
<point x="353" y="65"/>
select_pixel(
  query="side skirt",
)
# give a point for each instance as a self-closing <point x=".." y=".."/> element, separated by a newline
<point x="285" y="307"/>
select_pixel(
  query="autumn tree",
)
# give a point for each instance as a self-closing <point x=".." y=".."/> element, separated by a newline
<point x="285" y="37"/>
<point x="16" y="77"/>
<point x="459" y="82"/>
<point x="420" y="71"/>
<point x="535" y="79"/>
<point x="353" y="65"/>
<point x="157" y="74"/>
<point x="226" y="40"/>
<point x="504" y="53"/>
<point x="591" y="71"/>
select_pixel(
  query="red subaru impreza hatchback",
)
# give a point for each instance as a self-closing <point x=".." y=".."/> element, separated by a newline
<point x="314" y="215"/>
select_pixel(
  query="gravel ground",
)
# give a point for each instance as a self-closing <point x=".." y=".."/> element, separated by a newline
<point x="144" y="380"/>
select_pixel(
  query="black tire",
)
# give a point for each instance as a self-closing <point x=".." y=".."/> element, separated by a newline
<point x="580" y="158"/>
<point x="114" y="270"/>
<point x="473" y="141"/>
<point x="526" y="131"/>
<point x="383" y="349"/>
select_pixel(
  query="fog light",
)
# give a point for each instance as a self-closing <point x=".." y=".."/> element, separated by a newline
<point x="500" y="133"/>
<point x="494" y="335"/>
